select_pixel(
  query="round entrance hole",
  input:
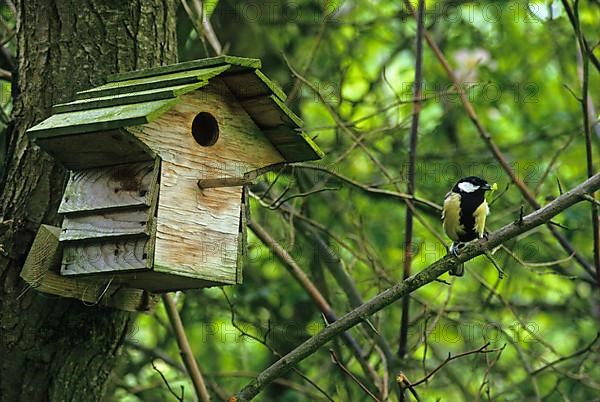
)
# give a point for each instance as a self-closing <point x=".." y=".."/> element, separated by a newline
<point x="205" y="129"/>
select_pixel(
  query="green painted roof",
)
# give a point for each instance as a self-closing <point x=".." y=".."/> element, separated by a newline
<point x="138" y="97"/>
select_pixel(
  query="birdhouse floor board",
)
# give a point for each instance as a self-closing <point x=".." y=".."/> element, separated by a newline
<point x="160" y="282"/>
<point x="41" y="268"/>
<point x="128" y="98"/>
<point x="106" y="224"/>
<point x="120" y="186"/>
<point x="98" y="149"/>
<point x="154" y="82"/>
<point x="237" y="63"/>
<point x="105" y="256"/>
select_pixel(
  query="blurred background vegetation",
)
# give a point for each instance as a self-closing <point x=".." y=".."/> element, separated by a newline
<point x="519" y="64"/>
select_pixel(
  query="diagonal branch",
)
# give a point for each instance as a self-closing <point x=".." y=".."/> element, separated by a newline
<point x="429" y="274"/>
<point x="323" y="305"/>
<point x="184" y="347"/>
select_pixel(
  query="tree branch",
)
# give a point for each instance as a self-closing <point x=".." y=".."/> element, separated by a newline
<point x="407" y="286"/>
<point x="184" y="347"/>
<point x="410" y="185"/>
<point x="316" y="296"/>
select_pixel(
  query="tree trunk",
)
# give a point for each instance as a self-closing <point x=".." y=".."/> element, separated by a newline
<point x="54" y="349"/>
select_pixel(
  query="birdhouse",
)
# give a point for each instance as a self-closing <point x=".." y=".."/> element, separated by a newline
<point x="158" y="161"/>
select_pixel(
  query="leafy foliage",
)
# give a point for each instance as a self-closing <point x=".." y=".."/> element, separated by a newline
<point x="519" y="65"/>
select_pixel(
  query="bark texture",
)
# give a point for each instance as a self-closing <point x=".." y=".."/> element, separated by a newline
<point x="54" y="349"/>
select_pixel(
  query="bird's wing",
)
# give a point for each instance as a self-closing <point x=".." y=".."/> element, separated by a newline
<point x="451" y="216"/>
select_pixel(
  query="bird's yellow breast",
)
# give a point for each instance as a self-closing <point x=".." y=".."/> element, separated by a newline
<point x="480" y="214"/>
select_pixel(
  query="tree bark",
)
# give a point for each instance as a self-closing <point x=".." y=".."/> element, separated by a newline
<point x="54" y="349"/>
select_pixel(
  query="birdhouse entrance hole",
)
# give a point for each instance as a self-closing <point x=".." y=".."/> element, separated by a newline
<point x="205" y="129"/>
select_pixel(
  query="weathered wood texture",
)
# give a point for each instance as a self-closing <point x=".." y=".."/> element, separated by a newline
<point x="98" y="149"/>
<point x="145" y="95"/>
<point x="198" y="231"/>
<point x="153" y="82"/>
<point x="251" y="84"/>
<point x="127" y="98"/>
<point x="105" y="256"/>
<point x="109" y="219"/>
<point x="237" y="63"/>
<point x="106" y="224"/>
<point x="129" y="185"/>
<point x="40" y="272"/>
<point x="54" y="348"/>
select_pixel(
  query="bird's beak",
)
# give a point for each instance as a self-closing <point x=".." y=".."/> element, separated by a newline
<point x="486" y="187"/>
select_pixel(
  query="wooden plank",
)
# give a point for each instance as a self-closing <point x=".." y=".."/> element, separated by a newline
<point x="102" y="225"/>
<point x="97" y="149"/>
<point x="294" y="145"/>
<point x="102" y="119"/>
<point x="240" y="62"/>
<point x="127" y="185"/>
<point x="105" y="256"/>
<point x="265" y="112"/>
<point x="287" y="112"/>
<point x="160" y="282"/>
<point x="223" y="182"/>
<point x="252" y="84"/>
<point x="153" y="82"/>
<point x="127" y="98"/>
<point x="197" y="231"/>
<point x="241" y="147"/>
<point x="243" y="235"/>
<point x="40" y="271"/>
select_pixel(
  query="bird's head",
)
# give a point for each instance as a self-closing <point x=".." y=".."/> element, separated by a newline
<point x="470" y="185"/>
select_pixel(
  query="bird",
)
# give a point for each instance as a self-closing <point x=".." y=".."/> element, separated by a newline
<point x="464" y="213"/>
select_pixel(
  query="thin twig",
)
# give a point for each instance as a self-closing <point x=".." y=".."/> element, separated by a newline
<point x="179" y="398"/>
<point x="337" y="361"/>
<point x="481" y="349"/>
<point x="410" y="185"/>
<point x="184" y="349"/>
<point x="564" y="358"/>
<point x="587" y="129"/>
<point x="315" y="295"/>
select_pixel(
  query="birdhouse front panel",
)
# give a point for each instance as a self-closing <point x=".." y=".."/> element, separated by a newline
<point x="109" y="218"/>
<point x="198" y="229"/>
<point x="159" y="159"/>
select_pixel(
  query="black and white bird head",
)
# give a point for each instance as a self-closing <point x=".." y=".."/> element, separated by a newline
<point x="471" y="185"/>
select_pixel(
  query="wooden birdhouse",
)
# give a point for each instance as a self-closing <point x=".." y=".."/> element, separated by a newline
<point x="159" y="159"/>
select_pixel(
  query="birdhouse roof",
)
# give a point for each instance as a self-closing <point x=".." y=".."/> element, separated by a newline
<point x="140" y="96"/>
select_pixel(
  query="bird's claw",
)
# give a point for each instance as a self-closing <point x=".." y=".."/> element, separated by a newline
<point x="455" y="248"/>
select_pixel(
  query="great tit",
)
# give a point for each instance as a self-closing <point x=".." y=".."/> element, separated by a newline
<point x="464" y="214"/>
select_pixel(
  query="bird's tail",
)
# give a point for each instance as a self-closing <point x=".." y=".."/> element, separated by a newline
<point x="457" y="270"/>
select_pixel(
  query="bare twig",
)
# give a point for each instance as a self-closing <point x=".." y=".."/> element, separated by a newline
<point x="571" y="356"/>
<point x="179" y="398"/>
<point x="184" y="348"/>
<point x="482" y="349"/>
<point x="587" y="129"/>
<point x="315" y="295"/>
<point x="410" y="185"/>
<point x="338" y="363"/>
